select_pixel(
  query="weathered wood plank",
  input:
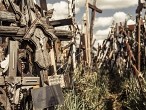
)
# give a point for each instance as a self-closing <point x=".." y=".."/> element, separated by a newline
<point x="27" y="81"/>
<point x="9" y="31"/>
<point x="13" y="58"/>
<point x="94" y="8"/>
<point x="63" y="35"/>
<point x="61" y="22"/>
<point x="43" y="4"/>
<point x="7" y="16"/>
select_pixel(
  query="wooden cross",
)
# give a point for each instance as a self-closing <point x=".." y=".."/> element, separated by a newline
<point x="89" y="29"/>
<point x="138" y="29"/>
<point x="94" y="10"/>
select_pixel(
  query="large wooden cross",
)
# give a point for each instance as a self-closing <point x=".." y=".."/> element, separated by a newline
<point x="93" y="13"/>
<point x="89" y="29"/>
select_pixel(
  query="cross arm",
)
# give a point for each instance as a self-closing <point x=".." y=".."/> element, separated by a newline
<point x="94" y="8"/>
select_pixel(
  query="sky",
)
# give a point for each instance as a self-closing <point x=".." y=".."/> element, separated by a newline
<point x="117" y="10"/>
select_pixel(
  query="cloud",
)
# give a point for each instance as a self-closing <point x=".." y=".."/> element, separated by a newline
<point x="103" y="21"/>
<point x="116" y="4"/>
<point x="110" y="4"/>
<point x="107" y="21"/>
<point x="120" y="17"/>
<point x="60" y="10"/>
<point x="80" y="3"/>
<point x="49" y="6"/>
<point x="102" y="34"/>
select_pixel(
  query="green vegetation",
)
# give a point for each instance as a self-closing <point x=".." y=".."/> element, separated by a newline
<point x="104" y="90"/>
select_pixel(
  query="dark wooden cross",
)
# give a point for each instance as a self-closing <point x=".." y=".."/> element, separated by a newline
<point x="43" y="4"/>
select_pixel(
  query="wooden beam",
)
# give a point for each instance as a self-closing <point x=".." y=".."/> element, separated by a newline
<point x="7" y="16"/>
<point x="43" y="4"/>
<point x="94" y="8"/>
<point x="93" y="13"/>
<point x="63" y="34"/>
<point x="61" y="22"/>
<point x="13" y="58"/>
<point x="87" y="35"/>
<point x="9" y="31"/>
<point x="27" y="81"/>
<point x="140" y="7"/>
<point x="139" y="42"/>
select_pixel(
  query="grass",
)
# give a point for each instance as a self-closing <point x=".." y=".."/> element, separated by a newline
<point x="102" y="90"/>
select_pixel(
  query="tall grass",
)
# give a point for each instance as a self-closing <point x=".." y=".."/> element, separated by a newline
<point x="102" y="90"/>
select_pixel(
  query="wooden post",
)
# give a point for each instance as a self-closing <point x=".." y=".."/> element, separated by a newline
<point x="138" y="40"/>
<point x="13" y="57"/>
<point x="53" y="63"/>
<point x="43" y="4"/>
<point x="74" y="35"/>
<point x="84" y="40"/>
<point x="138" y="18"/>
<point x="93" y="13"/>
<point x="71" y="7"/>
<point x="87" y="34"/>
<point x="89" y="28"/>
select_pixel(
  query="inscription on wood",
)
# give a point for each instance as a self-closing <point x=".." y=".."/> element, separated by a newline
<point x="56" y="79"/>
